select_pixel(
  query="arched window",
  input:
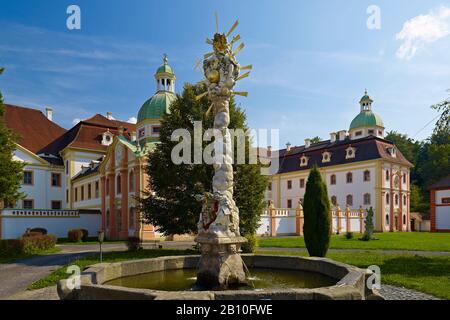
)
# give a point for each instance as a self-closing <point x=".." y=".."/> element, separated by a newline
<point x="333" y="179"/>
<point x="107" y="187"/>
<point x="404" y="219"/>
<point x="387" y="198"/>
<point x="333" y="200"/>
<point x="367" y="199"/>
<point x="396" y="199"/>
<point x="118" y="184"/>
<point x="387" y="175"/>
<point x="367" y="175"/>
<point x="107" y="218"/>
<point x="349" y="177"/>
<point x="404" y="200"/>
<point x="131" y="181"/>
<point x="387" y="219"/>
<point x="119" y="219"/>
<point x="349" y="199"/>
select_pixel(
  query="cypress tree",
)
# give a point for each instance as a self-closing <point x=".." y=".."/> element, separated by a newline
<point x="317" y="215"/>
<point x="10" y="170"/>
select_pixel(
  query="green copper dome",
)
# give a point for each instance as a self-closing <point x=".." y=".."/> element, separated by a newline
<point x="366" y="118"/>
<point x="156" y="106"/>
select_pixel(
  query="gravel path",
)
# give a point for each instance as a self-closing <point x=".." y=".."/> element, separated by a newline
<point x="400" y="293"/>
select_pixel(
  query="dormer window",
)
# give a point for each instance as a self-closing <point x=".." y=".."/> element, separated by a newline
<point x="392" y="151"/>
<point x="107" y="138"/>
<point x="141" y="133"/>
<point x="326" y="157"/>
<point x="350" y="153"/>
<point x="303" y="161"/>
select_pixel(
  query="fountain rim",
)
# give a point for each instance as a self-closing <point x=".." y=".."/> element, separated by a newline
<point x="350" y="280"/>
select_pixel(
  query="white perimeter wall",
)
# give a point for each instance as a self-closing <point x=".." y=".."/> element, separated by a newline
<point x="442" y="212"/>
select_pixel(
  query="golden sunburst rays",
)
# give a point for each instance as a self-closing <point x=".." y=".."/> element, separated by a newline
<point x="232" y="53"/>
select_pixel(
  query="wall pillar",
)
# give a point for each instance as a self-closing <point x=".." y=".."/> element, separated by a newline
<point x="347" y="214"/>
<point x="361" y="219"/>
<point x="103" y="199"/>
<point x="124" y="196"/>
<point x="273" y="222"/>
<point x="299" y="220"/>
<point x="400" y="195"/>
<point x="391" y="201"/>
<point x="338" y="217"/>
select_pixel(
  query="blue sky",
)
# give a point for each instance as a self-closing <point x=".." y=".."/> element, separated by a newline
<point x="312" y="59"/>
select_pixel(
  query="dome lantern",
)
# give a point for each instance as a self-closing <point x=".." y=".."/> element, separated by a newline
<point x="165" y="77"/>
<point x="366" y="123"/>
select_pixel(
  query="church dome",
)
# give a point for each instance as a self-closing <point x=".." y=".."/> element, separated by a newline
<point x="366" y="118"/>
<point x="165" y="67"/>
<point x="156" y="106"/>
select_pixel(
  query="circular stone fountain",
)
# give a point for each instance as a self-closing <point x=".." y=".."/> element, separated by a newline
<point x="299" y="278"/>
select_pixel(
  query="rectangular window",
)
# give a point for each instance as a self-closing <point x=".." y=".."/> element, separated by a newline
<point x="269" y="187"/>
<point x="56" y="205"/>
<point x="371" y="132"/>
<point x="289" y="203"/>
<point x="289" y="184"/>
<point x="89" y="191"/>
<point x="82" y="193"/>
<point x="387" y="175"/>
<point x="76" y="194"/>
<point x="28" y="177"/>
<point x="56" y="179"/>
<point x="67" y="195"/>
<point x="302" y="183"/>
<point x="358" y="133"/>
<point x="445" y="200"/>
<point x="404" y="178"/>
<point x="28" y="204"/>
<point x="67" y="167"/>
<point x="97" y="190"/>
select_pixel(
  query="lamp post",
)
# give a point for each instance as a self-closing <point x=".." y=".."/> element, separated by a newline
<point x="101" y="237"/>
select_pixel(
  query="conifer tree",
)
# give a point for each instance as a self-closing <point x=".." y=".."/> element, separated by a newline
<point x="10" y="170"/>
<point x="317" y="215"/>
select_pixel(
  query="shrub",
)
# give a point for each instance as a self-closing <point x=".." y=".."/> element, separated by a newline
<point x="349" y="235"/>
<point x="317" y="215"/>
<point x="251" y="244"/>
<point x="35" y="244"/>
<point x="75" y="235"/>
<point x="134" y="244"/>
<point x="10" y="248"/>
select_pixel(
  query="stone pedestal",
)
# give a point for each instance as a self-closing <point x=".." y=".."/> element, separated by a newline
<point x="220" y="264"/>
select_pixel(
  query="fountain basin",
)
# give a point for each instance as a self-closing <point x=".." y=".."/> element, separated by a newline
<point x="347" y="282"/>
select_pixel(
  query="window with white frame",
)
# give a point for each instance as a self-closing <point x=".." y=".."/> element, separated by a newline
<point x="303" y="161"/>
<point x="350" y="153"/>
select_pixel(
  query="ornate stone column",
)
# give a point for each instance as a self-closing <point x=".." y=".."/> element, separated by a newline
<point x="219" y="237"/>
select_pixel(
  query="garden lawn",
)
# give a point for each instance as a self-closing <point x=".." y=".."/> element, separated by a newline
<point x="429" y="274"/>
<point x="21" y="256"/>
<point x="85" y="262"/>
<point x="387" y="241"/>
<point x="90" y="240"/>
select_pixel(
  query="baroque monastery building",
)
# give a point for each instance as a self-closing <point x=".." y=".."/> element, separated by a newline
<point x="91" y="175"/>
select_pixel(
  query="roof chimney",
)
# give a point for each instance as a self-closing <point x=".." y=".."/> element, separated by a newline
<point x="133" y="135"/>
<point x="288" y="146"/>
<point x="333" y="137"/>
<point x="307" y="143"/>
<point x="109" y="115"/>
<point x="49" y="113"/>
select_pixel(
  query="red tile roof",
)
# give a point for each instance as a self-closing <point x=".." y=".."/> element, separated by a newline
<point x="34" y="129"/>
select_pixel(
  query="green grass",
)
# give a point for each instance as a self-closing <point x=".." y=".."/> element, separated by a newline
<point x="429" y="274"/>
<point x="387" y="241"/>
<point x="25" y="256"/>
<point x="85" y="262"/>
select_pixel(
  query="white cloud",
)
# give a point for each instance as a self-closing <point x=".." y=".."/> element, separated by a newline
<point x="75" y="121"/>
<point x="421" y="30"/>
<point x="132" y="120"/>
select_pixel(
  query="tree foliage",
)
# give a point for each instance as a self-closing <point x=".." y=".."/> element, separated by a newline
<point x="317" y="215"/>
<point x="10" y="170"/>
<point x="172" y="205"/>
<point x="443" y="108"/>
